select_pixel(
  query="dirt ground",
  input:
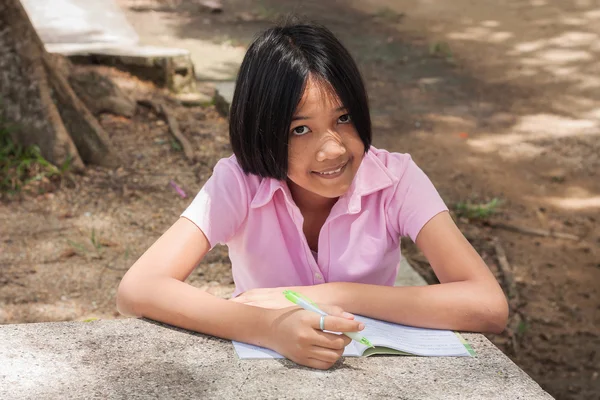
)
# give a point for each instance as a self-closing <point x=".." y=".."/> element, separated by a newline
<point x="492" y="101"/>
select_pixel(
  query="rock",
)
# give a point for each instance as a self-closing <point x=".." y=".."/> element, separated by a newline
<point x="212" y="6"/>
<point x="557" y="175"/>
<point x="224" y="97"/>
<point x="167" y="67"/>
<point x="193" y="99"/>
<point x="247" y="17"/>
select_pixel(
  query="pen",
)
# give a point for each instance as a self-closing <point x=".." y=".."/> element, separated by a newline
<point x="309" y="305"/>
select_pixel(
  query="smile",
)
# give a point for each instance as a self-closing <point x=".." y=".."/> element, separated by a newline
<point x="332" y="173"/>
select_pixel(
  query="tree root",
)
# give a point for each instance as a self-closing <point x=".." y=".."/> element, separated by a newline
<point x="517" y="323"/>
<point x="534" y="231"/>
<point x="163" y="110"/>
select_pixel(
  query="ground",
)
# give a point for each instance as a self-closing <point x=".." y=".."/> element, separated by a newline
<point x="492" y="101"/>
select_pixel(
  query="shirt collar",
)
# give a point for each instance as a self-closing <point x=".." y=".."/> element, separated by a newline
<point x="266" y="191"/>
<point x="371" y="177"/>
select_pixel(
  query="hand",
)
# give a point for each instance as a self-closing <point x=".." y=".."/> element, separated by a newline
<point x="265" y="297"/>
<point x="295" y="334"/>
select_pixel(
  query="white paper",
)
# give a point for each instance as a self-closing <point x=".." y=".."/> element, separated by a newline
<point x="245" y="350"/>
<point x="417" y="341"/>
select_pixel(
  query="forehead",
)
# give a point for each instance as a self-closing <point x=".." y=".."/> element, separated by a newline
<point x="318" y="94"/>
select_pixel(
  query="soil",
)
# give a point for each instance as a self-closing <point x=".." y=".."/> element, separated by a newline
<point x="492" y="101"/>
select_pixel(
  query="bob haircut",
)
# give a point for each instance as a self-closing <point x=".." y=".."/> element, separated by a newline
<point x="270" y="85"/>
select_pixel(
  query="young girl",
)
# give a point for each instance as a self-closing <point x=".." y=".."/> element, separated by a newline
<point x="307" y="203"/>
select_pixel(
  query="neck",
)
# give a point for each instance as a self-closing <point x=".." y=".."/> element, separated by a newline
<point x="310" y="202"/>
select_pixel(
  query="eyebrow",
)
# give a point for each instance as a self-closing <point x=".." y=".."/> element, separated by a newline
<point x="299" y="117"/>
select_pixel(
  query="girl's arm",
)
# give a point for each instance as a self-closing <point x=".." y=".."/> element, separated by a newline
<point x="468" y="297"/>
<point x="154" y="288"/>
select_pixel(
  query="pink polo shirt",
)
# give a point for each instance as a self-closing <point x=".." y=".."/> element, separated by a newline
<point x="258" y="220"/>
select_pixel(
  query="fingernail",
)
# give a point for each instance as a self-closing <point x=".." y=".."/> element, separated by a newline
<point x="361" y="326"/>
<point x="347" y="315"/>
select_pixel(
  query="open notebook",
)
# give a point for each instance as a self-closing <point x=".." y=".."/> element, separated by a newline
<point x="388" y="338"/>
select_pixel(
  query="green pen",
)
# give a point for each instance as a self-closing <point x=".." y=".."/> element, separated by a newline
<point x="309" y="305"/>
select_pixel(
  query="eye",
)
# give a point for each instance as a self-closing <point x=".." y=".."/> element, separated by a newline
<point x="345" y="119"/>
<point x="300" y="130"/>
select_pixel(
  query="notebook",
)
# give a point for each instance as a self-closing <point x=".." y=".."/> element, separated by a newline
<point x="388" y="338"/>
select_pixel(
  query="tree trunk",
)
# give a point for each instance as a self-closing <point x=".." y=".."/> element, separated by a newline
<point x="37" y="101"/>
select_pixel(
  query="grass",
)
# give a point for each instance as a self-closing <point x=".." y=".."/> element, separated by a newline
<point x="389" y="15"/>
<point x="266" y="13"/>
<point x="95" y="242"/>
<point x="442" y="50"/>
<point x="78" y="246"/>
<point x="83" y="248"/>
<point x="522" y="328"/>
<point x="175" y="145"/>
<point x="22" y="166"/>
<point x="477" y="211"/>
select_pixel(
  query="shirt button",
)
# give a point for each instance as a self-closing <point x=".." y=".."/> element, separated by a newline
<point x="318" y="276"/>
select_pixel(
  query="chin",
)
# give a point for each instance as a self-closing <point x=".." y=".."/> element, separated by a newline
<point x="334" y="193"/>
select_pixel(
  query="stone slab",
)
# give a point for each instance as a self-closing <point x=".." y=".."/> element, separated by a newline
<point x="407" y="276"/>
<point x="72" y="25"/>
<point x="224" y="96"/>
<point x="214" y="60"/>
<point x="136" y="51"/>
<point x="133" y="358"/>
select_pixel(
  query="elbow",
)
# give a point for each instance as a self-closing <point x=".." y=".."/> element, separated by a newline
<point x="496" y="315"/>
<point x="128" y="297"/>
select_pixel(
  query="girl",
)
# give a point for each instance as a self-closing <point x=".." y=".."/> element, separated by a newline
<point x="306" y="203"/>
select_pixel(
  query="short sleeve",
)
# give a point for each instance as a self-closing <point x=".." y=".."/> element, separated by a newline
<point x="415" y="201"/>
<point x="222" y="204"/>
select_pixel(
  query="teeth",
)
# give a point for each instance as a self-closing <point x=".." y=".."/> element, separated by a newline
<point x="331" y="172"/>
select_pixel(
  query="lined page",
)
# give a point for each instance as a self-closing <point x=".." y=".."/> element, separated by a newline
<point x="418" y="341"/>
<point x="245" y="350"/>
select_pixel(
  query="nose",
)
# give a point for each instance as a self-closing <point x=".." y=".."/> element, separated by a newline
<point x="331" y="148"/>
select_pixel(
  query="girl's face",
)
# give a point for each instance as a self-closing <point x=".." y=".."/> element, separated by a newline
<point x="325" y="150"/>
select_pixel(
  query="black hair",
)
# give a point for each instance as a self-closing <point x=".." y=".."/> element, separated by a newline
<point x="270" y="85"/>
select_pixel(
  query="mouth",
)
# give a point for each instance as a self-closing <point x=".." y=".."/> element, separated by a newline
<point x="332" y="172"/>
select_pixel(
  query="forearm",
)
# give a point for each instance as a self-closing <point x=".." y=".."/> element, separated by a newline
<point x="180" y="304"/>
<point x="465" y="306"/>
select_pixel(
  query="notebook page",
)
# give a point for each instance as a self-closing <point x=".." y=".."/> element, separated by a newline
<point x="245" y="351"/>
<point x="418" y="341"/>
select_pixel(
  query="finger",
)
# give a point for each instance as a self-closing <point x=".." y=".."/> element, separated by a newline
<point x="331" y="340"/>
<point x="337" y="324"/>
<point x="318" y="364"/>
<point x="336" y="311"/>
<point x="324" y="354"/>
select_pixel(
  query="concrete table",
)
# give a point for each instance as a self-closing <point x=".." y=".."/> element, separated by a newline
<point x="133" y="358"/>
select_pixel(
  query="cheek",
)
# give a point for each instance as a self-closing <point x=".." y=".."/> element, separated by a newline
<point x="355" y="144"/>
<point x="295" y="168"/>
<point x="297" y="156"/>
